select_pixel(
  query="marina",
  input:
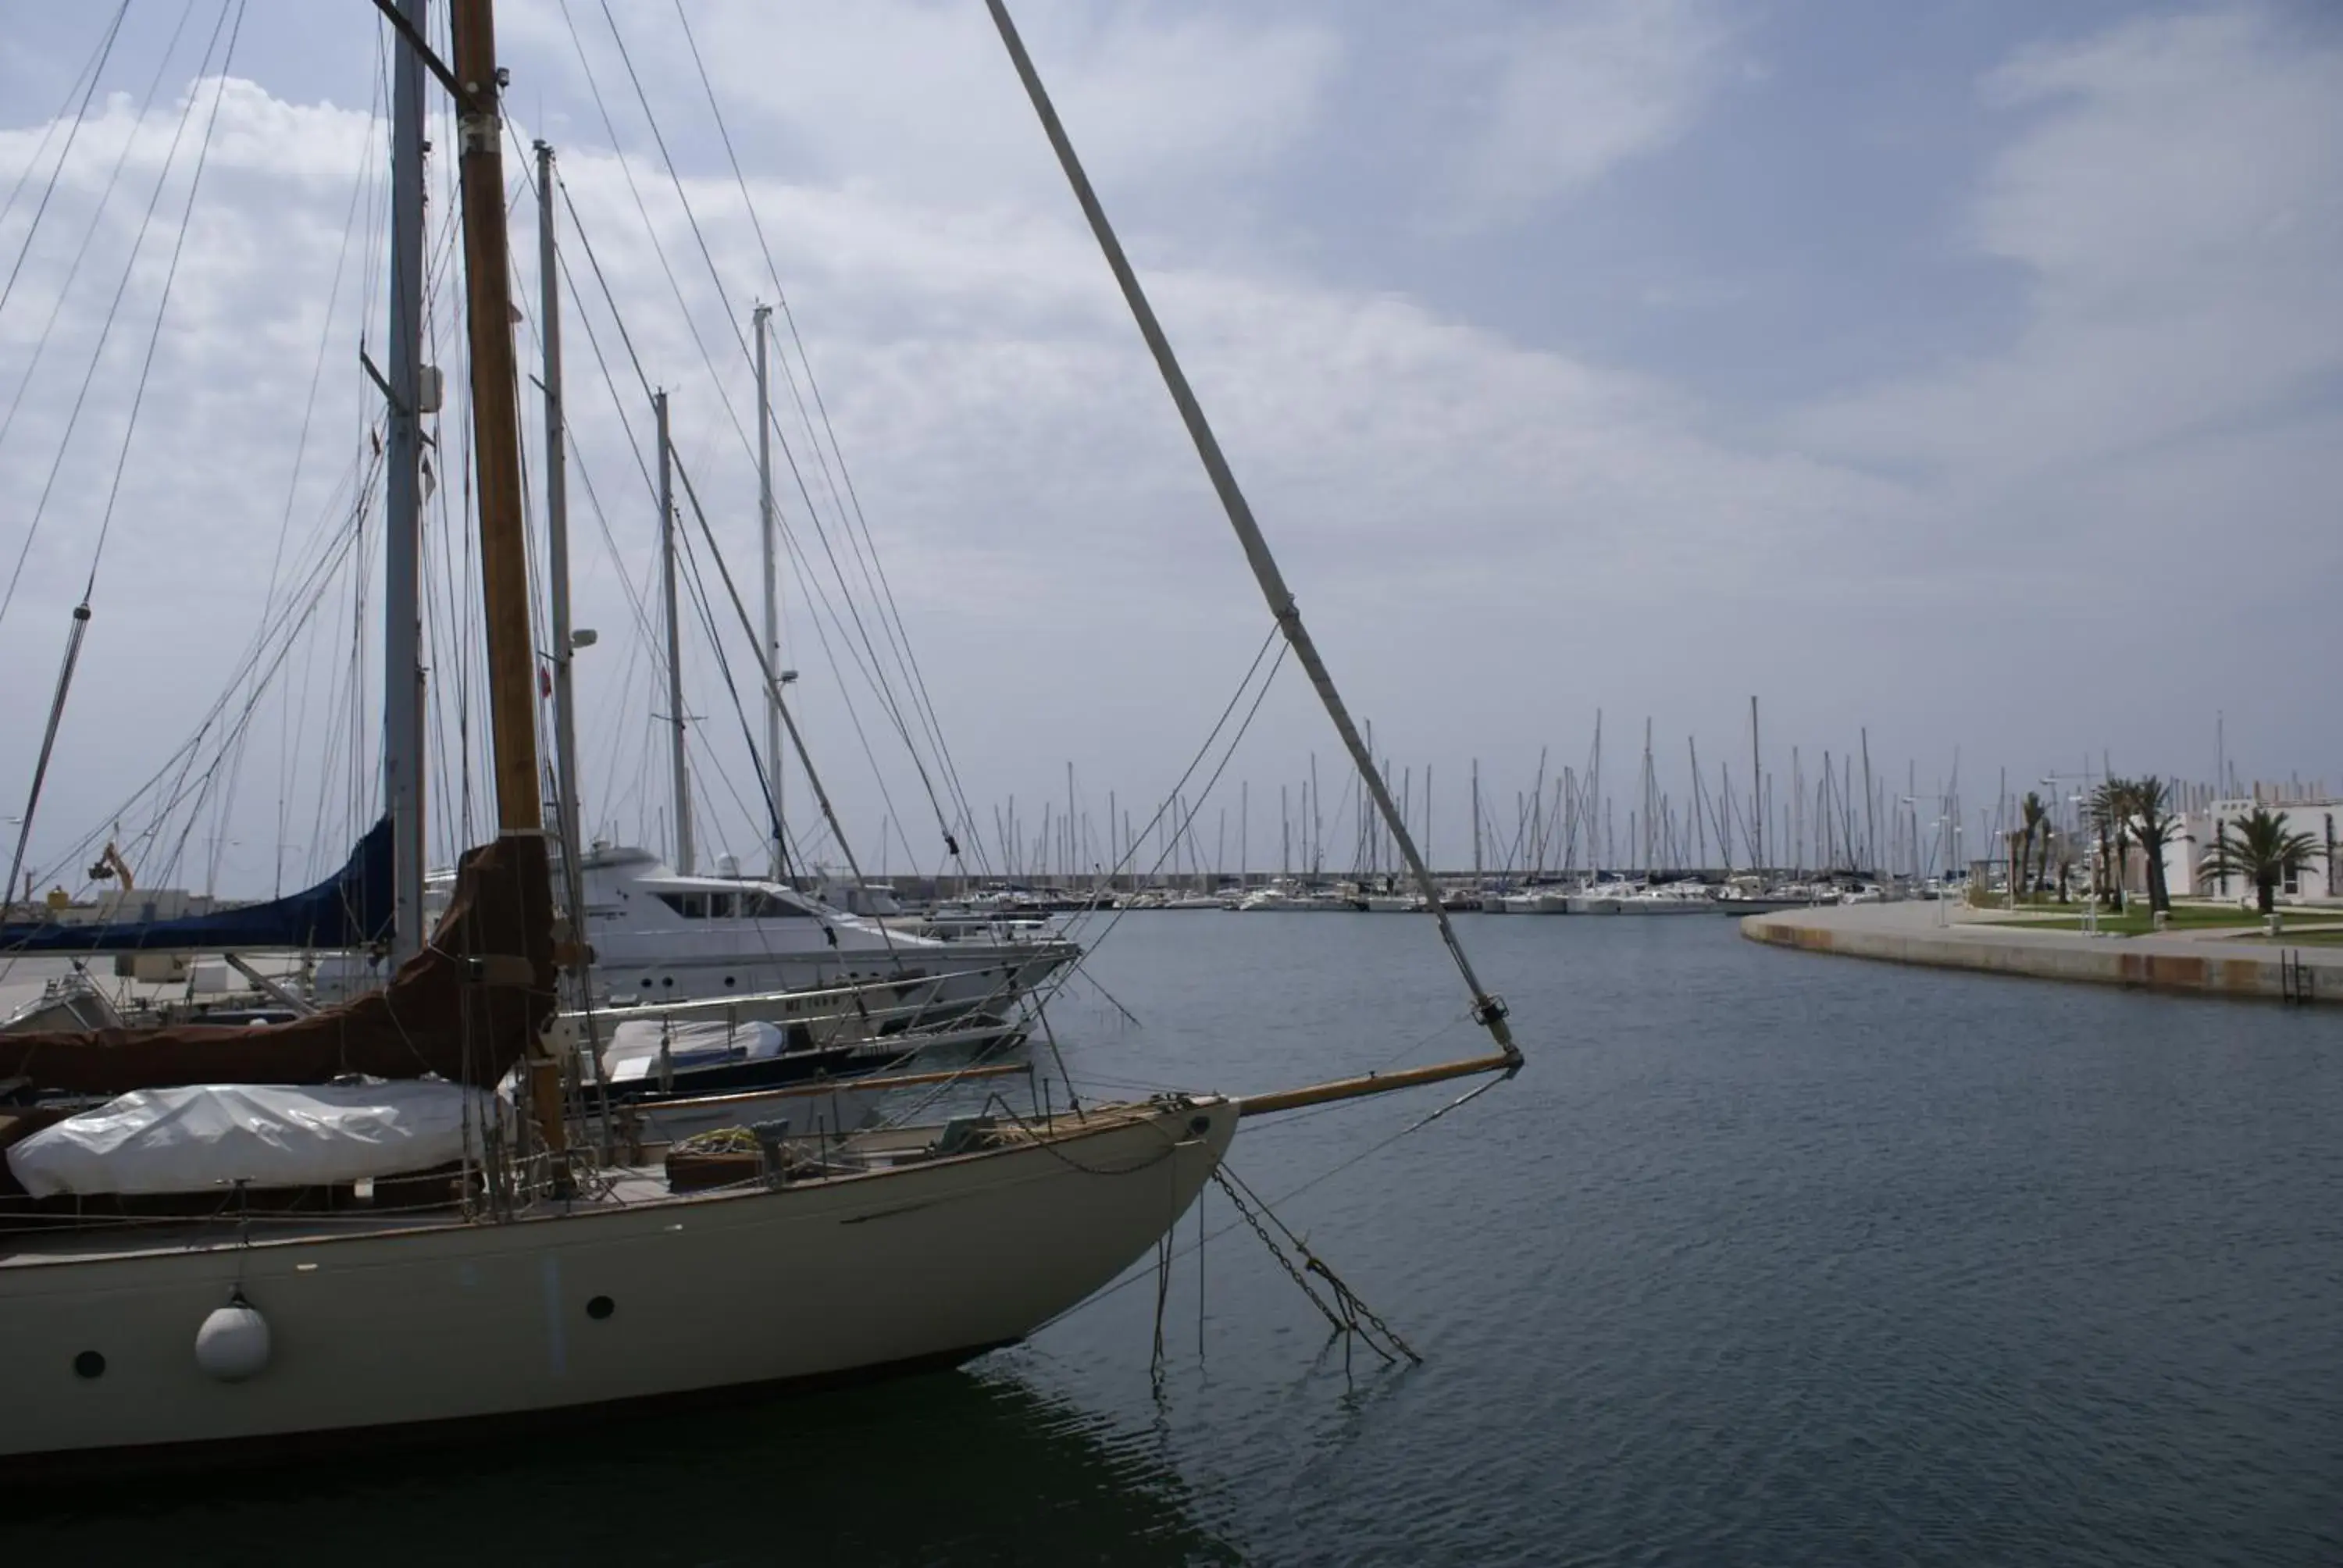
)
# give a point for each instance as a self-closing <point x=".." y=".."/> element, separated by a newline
<point x="442" y="1169"/>
<point x="1753" y="1280"/>
<point x="653" y="727"/>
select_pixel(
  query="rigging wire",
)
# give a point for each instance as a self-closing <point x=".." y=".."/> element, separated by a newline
<point x="98" y="355"/>
<point x="923" y="699"/>
<point x="788" y="535"/>
<point x="81" y="613"/>
<point x="1171" y="845"/>
<point x="162" y="305"/>
<point x="57" y="119"/>
<point x="1489" y="1009"/>
<point x="256" y="668"/>
<point x="81" y="115"/>
<point x="372" y="174"/>
<point x="822" y="796"/>
<point x="97" y="220"/>
<point x="875" y="673"/>
<point x="724" y="671"/>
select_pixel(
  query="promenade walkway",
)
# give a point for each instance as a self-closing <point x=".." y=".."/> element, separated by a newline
<point x="1952" y="937"/>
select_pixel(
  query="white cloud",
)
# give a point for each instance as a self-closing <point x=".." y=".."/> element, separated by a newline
<point x="1018" y="457"/>
<point x="2141" y="479"/>
<point x="1585" y="88"/>
<point x="918" y="98"/>
<point x="1491" y="538"/>
<point x="2176" y="206"/>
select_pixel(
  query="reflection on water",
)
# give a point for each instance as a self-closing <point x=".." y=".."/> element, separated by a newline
<point x="953" y="1468"/>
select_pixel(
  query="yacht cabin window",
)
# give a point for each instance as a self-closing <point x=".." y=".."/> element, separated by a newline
<point x="749" y="904"/>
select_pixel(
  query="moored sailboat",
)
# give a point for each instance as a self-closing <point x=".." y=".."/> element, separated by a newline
<point x="545" y="1280"/>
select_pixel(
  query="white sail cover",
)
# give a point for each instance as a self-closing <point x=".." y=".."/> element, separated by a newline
<point x="205" y="1137"/>
<point x="634" y="1050"/>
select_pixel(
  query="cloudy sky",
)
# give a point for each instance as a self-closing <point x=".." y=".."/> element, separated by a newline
<point x="1972" y="373"/>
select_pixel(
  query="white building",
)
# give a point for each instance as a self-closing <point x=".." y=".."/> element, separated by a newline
<point x="2322" y="879"/>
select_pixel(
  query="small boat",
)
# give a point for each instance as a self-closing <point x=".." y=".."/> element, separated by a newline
<point x="1671" y="898"/>
<point x="1290" y="898"/>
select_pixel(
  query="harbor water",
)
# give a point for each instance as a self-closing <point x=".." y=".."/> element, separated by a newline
<point x="1764" y="1256"/>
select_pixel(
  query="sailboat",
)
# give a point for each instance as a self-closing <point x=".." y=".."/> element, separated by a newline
<point x="546" y="1280"/>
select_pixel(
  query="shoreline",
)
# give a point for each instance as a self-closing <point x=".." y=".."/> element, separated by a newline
<point x="2195" y="963"/>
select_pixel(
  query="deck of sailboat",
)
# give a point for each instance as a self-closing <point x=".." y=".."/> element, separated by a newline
<point x="619" y="1187"/>
<point x="614" y="1189"/>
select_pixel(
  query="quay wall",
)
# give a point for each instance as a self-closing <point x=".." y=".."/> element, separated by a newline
<point x="2270" y="970"/>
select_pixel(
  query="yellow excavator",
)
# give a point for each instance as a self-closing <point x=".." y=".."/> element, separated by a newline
<point x="112" y="867"/>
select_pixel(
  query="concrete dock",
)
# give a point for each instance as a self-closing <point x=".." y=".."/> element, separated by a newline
<point x="2209" y="963"/>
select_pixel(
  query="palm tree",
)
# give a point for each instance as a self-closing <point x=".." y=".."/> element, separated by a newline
<point x="2034" y="820"/>
<point x="2261" y="852"/>
<point x="2147" y="804"/>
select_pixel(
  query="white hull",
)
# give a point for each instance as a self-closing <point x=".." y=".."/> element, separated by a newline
<point x="377" y="1328"/>
<point x="1639" y="904"/>
<point x="951" y="980"/>
<point x="937" y="982"/>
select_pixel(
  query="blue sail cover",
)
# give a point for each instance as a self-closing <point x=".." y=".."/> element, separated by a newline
<point x="350" y="908"/>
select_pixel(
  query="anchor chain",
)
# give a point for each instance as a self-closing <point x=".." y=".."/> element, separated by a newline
<point x="1358" y="1310"/>
<point x="1354" y="1318"/>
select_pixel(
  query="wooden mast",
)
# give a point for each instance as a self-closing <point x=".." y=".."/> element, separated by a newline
<point x="496" y="443"/>
<point x="496" y="423"/>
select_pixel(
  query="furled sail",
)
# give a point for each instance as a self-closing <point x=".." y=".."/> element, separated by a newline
<point x="350" y="908"/>
<point x="466" y="1008"/>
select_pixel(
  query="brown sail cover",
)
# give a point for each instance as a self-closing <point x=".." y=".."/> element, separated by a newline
<point x="466" y="1008"/>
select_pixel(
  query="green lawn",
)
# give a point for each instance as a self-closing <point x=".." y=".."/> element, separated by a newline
<point x="2134" y="921"/>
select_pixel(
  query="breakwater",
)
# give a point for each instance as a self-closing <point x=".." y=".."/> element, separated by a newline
<point x="1921" y="934"/>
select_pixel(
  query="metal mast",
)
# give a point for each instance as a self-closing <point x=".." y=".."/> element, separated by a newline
<point x="682" y="770"/>
<point x="402" y="694"/>
<point x="1476" y="824"/>
<point x="556" y="549"/>
<point x="768" y="531"/>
